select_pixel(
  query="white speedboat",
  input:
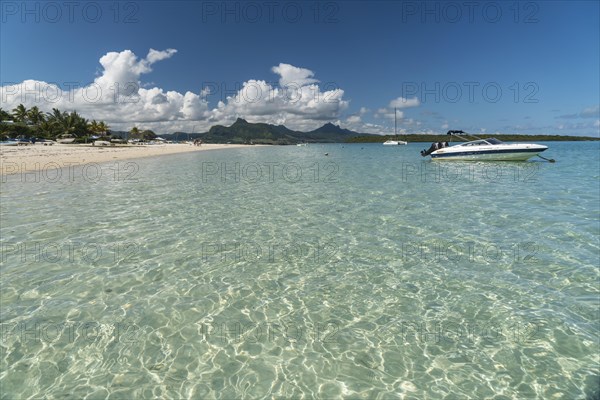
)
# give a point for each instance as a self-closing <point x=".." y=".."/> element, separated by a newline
<point x="395" y="142"/>
<point x="490" y="149"/>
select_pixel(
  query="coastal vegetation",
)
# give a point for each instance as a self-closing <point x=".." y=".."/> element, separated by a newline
<point x="28" y="123"/>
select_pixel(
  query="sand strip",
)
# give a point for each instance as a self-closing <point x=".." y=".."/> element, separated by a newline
<point x="31" y="158"/>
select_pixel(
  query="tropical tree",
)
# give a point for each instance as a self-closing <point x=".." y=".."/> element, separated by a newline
<point x="35" y="116"/>
<point x="99" y="128"/>
<point x="20" y="113"/>
<point x="57" y="115"/>
<point x="5" y="116"/>
<point x="47" y="129"/>
<point x="94" y="127"/>
<point x="103" y="127"/>
<point x="79" y="123"/>
<point x="69" y="124"/>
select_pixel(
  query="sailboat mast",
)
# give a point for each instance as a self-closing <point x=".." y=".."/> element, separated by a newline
<point x="395" y="134"/>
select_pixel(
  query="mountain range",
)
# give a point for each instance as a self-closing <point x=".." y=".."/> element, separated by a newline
<point x="242" y="131"/>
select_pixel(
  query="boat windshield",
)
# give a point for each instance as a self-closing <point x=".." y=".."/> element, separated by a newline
<point x="493" y="141"/>
<point x="483" y="142"/>
<point x="475" y="143"/>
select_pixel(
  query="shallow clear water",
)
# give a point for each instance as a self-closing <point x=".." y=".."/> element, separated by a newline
<point x="368" y="273"/>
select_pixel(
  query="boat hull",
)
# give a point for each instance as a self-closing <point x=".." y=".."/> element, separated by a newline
<point x="504" y="152"/>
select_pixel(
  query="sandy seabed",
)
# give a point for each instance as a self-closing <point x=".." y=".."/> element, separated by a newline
<point x="31" y="158"/>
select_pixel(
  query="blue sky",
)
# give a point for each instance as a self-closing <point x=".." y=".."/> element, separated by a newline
<point x="505" y="67"/>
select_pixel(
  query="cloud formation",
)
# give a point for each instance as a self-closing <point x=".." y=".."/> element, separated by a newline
<point x="401" y="102"/>
<point x="290" y="75"/>
<point x="589" y="112"/>
<point x="118" y="97"/>
<point x="392" y="111"/>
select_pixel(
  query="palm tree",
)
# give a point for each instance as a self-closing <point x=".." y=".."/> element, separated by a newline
<point x="94" y="127"/>
<point x="57" y="115"/>
<point x="98" y="128"/>
<point x="70" y="124"/>
<point x="103" y="127"/>
<point x="47" y="128"/>
<point x="5" y="116"/>
<point x="79" y="123"/>
<point x="35" y="116"/>
<point x="20" y="113"/>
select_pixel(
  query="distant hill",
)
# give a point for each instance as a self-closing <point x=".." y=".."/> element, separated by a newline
<point x="328" y="132"/>
<point x="242" y="131"/>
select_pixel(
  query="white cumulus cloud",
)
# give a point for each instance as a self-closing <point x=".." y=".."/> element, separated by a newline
<point x="353" y="119"/>
<point x="401" y="102"/>
<point x="290" y="75"/>
<point x="391" y="112"/>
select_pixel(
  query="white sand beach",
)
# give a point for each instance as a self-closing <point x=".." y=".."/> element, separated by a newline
<point x="15" y="159"/>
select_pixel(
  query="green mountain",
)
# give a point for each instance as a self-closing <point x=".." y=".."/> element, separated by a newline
<point x="242" y="131"/>
<point x="330" y="133"/>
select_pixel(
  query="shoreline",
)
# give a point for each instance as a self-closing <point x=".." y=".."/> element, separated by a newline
<point x="36" y="158"/>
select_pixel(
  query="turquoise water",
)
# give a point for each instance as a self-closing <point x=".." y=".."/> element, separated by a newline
<point x="367" y="273"/>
